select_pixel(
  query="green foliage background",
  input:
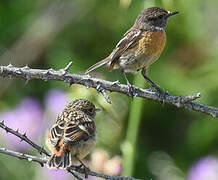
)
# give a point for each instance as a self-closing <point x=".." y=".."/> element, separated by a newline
<point x="134" y="129"/>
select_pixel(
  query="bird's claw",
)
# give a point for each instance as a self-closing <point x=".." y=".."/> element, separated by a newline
<point x="161" y="94"/>
<point x="131" y="89"/>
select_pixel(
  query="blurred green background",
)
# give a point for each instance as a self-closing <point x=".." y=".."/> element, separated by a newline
<point x="136" y="137"/>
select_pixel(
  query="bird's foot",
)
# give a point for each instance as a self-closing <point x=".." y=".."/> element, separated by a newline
<point x="131" y="89"/>
<point x="86" y="169"/>
<point x="160" y="93"/>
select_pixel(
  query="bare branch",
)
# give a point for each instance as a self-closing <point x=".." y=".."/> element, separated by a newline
<point x="88" y="81"/>
<point x="41" y="161"/>
<point x="19" y="155"/>
<point x="72" y="170"/>
<point x="92" y="173"/>
<point x="23" y="137"/>
<point x="74" y="174"/>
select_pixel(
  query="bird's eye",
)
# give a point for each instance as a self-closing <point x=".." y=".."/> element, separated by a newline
<point x="160" y="17"/>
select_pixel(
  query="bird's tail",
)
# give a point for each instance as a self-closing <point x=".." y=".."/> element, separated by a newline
<point x="97" y="65"/>
<point x="62" y="162"/>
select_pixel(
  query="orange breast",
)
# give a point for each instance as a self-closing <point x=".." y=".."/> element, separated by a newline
<point x="151" y="45"/>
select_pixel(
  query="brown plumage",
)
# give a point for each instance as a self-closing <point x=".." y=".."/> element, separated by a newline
<point x="73" y="135"/>
<point x="141" y="45"/>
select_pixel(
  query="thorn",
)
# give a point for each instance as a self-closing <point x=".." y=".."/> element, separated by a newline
<point x="29" y="159"/>
<point x="40" y="152"/>
<point x="213" y="114"/>
<point x="10" y="65"/>
<point x="9" y="76"/>
<point x="19" y="71"/>
<point x="117" y="82"/>
<point x="66" y="80"/>
<point x="68" y="66"/>
<point x="50" y="70"/>
<point x="26" y="81"/>
<point x="24" y="134"/>
<point x="88" y="75"/>
<point x="189" y="98"/>
<point x="27" y="78"/>
<point x="17" y="130"/>
<point x="26" y="67"/>
<point x="98" y="88"/>
<point x="45" y="78"/>
<point x="47" y="72"/>
<point x="3" y="122"/>
<point x="71" y="83"/>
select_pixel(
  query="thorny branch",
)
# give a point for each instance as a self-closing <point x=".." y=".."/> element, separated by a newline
<point x="103" y="85"/>
<point x="23" y="137"/>
<point x="19" y="155"/>
<point x="74" y="170"/>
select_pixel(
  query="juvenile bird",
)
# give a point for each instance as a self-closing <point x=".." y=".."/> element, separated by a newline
<point x="73" y="135"/>
<point x="140" y="46"/>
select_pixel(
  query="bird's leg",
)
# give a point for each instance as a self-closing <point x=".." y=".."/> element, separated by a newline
<point x="131" y="88"/>
<point x="153" y="85"/>
<point x="86" y="169"/>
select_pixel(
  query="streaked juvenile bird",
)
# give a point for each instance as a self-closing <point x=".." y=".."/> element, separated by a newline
<point x="140" y="46"/>
<point x="73" y="135"/>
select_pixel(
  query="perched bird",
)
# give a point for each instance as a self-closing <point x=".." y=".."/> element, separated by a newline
<point x="141" y="45"/>
<point x="73" y="135"/>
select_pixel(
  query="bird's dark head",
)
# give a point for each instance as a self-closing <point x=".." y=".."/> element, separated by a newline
<point x="154" y="17"/>
<point x="84" y="105"/>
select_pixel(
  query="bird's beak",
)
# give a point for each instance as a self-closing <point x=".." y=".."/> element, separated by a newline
<point x="171" y="13"/>
<point x="97" y="109"/>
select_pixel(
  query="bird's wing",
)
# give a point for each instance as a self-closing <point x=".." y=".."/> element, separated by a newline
<point x="128" y="41"/>
<point x="57" y="131"/>
<point x="80" y="127"/>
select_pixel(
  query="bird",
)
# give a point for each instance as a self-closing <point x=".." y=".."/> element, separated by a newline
<point x="140" y="46"/>
<point x="73" y="134"/>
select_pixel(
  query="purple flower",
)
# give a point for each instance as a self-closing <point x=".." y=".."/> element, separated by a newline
<point x="204" y="169"/>
<point x="55" y="100"/>
<point x="26" y="117"/>
<point x="50" y="174"/>
<point x="57" y="174"/>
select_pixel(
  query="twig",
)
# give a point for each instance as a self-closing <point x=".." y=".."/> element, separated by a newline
<point x="88" y="81"/>
<point x="92" y="173"/>
<point x="75" y="175"/>
<point x="23" y="137"/>
<point x="43" y="161"/>
<point x="68" y="66"/>
<point x="19" y="155"/>
<point x="104" y="93"/>
<point x="189" y="98"/>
